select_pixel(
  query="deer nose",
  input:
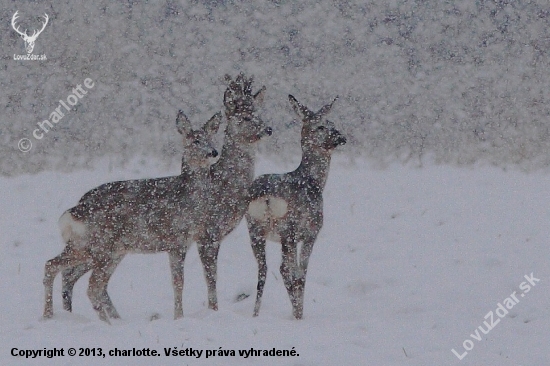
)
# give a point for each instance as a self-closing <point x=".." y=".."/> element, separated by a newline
<point x="213" y="154"/>
<point x="341" y="140"/>
<point x="268" y="131"/>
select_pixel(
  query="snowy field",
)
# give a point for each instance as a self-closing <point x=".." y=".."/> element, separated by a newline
<point x="408" y="264"/>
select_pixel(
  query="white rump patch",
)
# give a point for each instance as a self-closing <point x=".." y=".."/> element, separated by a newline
<point x="71" y="229"/>
<point x="268" y="207"/>
<point x="258" y="208"/>
<point x="277" y="207"/>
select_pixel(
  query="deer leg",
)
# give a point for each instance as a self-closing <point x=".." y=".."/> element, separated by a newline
<point x="301" y="272"/>
<point x="208" y="252"/>
<point x="177" y="258"/>
<point x="96" y="286"/>
<point x="107" y="303"/>
<point x="72" y="275"/>
<point x="257" y="239"/>
<point x="69" y="278"/>
<point x="288" y="268"/>
<point x="67" y="258"/>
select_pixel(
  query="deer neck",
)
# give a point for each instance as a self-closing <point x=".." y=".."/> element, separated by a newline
<point x="236" y="163"/>
<point x="315" y="164"/>
<point x="197" y="176"/>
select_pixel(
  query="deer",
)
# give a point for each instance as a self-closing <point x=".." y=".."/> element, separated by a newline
<point x="288" y="208"/>
<point x="137" y="216"/>
<point x="229" y="179"/>
<point x="29" y="40"/>
<point x="232" y="174"/>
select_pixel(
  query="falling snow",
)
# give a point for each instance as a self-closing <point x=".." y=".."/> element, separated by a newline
<point x="434" y="210"/>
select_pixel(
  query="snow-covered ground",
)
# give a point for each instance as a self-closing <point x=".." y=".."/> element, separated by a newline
<point x="408" y="264"/>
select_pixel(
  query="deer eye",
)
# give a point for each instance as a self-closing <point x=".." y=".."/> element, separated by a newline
<point x="247" y="118"/>
<point x="196" y="142"/>
<point x="321" y="128"/>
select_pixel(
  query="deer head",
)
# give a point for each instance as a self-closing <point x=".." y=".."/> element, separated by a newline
<point x="317" y="131"/>
<point x="29" y="40"/>
<point x="199" y="151"/>
<point x="240" y="110"/>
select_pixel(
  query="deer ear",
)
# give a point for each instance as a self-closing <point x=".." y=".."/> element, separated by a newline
<point x="240" y="79"/>
<point x="300" y="109"/>
<point x="247" y="84"/>
<point x="228" y="100"/>
<point x="213" y="124"/>
<point x="182" y="123"/>
<point x="259" y="96"/>
<point x="326" y="109"/>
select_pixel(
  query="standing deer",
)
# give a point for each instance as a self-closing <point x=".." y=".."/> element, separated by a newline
<point x="137" y="216"/>
<point x="288" y="208"/>
<point x="231" y="175"/>
<point x="229" y="179"/>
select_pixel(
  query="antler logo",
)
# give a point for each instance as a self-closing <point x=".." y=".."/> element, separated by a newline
<point x="29" y="40"/>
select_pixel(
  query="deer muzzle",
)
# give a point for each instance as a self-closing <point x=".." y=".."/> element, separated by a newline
<point x="341" y="140"/>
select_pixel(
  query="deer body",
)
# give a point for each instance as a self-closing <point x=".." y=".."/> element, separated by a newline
<point x="137" y="216"/>
<point x="288" y="208"/>
<point x="230" y="178"/>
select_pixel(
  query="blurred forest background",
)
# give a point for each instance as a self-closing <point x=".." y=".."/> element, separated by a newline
<point x="453" y="81"/>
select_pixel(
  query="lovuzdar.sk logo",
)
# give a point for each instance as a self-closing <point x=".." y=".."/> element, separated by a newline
<point x="29" y="40"/>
